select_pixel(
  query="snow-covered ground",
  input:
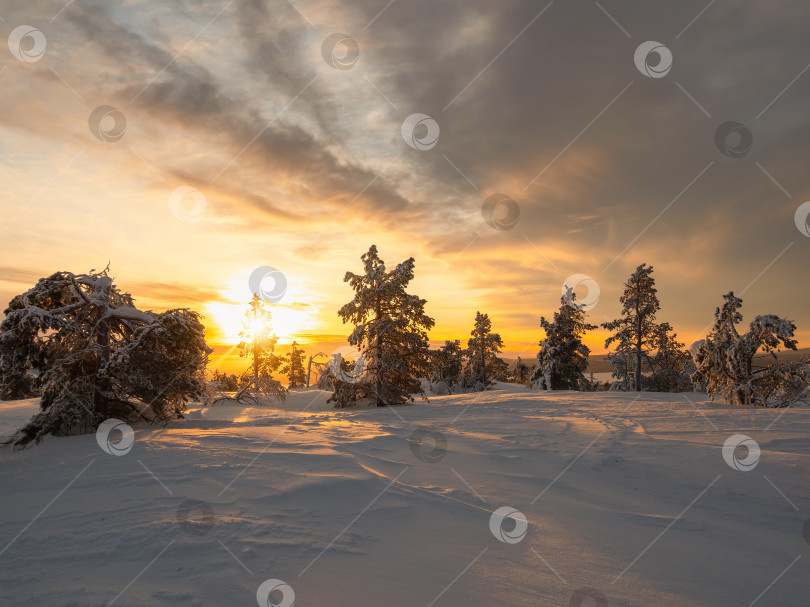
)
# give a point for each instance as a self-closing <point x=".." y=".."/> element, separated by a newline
<point x="628" y="496"/>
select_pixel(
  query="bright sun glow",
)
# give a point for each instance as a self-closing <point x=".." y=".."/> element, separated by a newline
<point x="287" y="323"/>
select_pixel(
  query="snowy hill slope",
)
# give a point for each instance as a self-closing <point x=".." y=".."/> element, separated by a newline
<point x="629" y="497"/>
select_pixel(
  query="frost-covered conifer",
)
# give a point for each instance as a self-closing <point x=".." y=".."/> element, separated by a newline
<point x="390" y="332"/>
<point x="726" y="359"/>
<point x="97" y="356"/>
<point x="563" y="357"/>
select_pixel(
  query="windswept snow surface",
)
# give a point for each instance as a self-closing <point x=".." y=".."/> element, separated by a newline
<point x="629" y="496"/>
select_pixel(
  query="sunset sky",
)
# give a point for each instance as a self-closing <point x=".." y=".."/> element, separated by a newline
<point x="301" y="165"/>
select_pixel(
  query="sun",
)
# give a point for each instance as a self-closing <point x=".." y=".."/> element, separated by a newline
<point x="287" y="322"/>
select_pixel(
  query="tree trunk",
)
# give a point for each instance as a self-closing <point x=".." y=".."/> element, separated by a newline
<point x="638" y="345"/>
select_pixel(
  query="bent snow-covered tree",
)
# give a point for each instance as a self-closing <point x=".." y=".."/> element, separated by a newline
<point x="96" y="356"/>
<point x="563" y="358"/>
<point x="726" y="364"/>
<point x="390" y="332"/>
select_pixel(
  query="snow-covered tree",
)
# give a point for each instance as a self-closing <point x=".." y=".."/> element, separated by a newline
<point x="390" y="332"/>
<point x="636" y="329"/>
<point x="97" y="356"/>
<point x="671" y="364"/>
<point x="446" y="364"/>
<point x="520" y="374"/>
<point x="258" y="344"/>
<point x="726" y="359"/>
<point x="563" y="358"/>
<point x="483" y="348"/>
<point x="293" y="366"/>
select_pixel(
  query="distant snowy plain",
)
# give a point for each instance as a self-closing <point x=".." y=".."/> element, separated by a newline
<point x="628" y="498"/>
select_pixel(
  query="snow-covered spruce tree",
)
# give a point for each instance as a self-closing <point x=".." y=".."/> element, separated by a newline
<point x="672" y="368"/>
<point x="483" y="348"/>
<point x="520" y="374"/>
<point x="636" y="328"/>
<point x="293" y="366"/>
<point x="563" y="358"/>
<point x="726" y="364"/>
<point x="259" y="344"/>
<point x="390" y="331"/>
<point x="97" y="356"/>
<point x="446" y="364"/>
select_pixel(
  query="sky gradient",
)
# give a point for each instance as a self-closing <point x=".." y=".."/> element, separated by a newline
<point x="300" y="164"/>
